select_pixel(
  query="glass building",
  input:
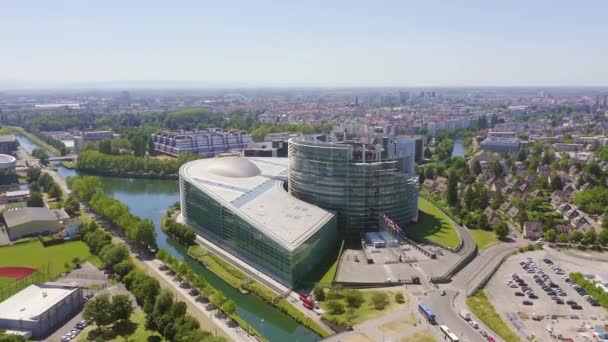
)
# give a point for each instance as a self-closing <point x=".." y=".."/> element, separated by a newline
<point x="241" y="205"/>
<point x="358" y="181"/>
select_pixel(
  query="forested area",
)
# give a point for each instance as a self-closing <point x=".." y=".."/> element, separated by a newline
<point x="95" y="162"/>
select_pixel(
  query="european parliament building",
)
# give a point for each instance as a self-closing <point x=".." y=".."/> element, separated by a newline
<point x="282" y="215"/>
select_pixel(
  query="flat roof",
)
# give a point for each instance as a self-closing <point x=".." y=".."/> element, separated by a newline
<point x="253" y="189"/>
<point x="29" y="303"/>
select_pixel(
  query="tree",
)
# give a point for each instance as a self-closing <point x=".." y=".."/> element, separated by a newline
<point x="502" y="230"/>
<point x="399" y="298"/>
<point x="452" y="189"/>
<point x="469" y="196"/>
<point x="335" y="307"/>
<point x="319" y="293"/>
<point x="477" y="168"/>
<point x="54" y="191"/>
<point x="550" y="235"/>
<point x="522" y="216"/>
<point x="589" y="238"/>
<point x="354" y="298"/>
<point x="41" y="155"/>
<point x="429" y="172"/>
<point x="556" y="183"/>
<point x="427" y="153"/>
<point x="113" y="254"/>
<point x="123" y="268"/>
<point x="605" y="221"/>
<point x="121" y="308"/>
<point x="33" y="174"/>
<point x="218" y="299"/>
<point x="71" y="206"/>
<point x="99" y="310"/>
<point x="576" y="236"/>
<point x="35" y="200"/>
<point x="496" y="168"/>
<point x="45" y="181"/>
<point x="380" y="300"/>
<point x="561" y="237"/>
<point x="76" y="262"/>
<point x="229" y="307"/>
<point x="602" y="237"/>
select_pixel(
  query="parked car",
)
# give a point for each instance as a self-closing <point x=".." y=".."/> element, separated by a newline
<point x="527" y="302"/>
<point x="474" y="324"/>
<point x="519" y="294"/>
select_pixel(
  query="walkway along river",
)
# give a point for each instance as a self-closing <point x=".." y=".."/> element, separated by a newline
<point x="150" y="198"/>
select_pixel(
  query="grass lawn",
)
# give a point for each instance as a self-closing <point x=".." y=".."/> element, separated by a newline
<point x="135" y="332"/>
<point x="366" y="311"/>
<point x="15" y="204"/>
<point x="435" y="226"/>
<point x="49" y="260"/>
<point x="421" y="336"/>
<point x="483" y="238"/>
<point x="484" y="310"/>
<point x="68" y="164"/>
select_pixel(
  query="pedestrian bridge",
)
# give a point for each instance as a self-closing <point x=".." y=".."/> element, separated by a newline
<point x="70" y="158"/>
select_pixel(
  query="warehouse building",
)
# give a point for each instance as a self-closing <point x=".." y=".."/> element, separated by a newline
<point x="242" y="205"/>
<point x="40" y="309"/>
<point x="29" y="221"/>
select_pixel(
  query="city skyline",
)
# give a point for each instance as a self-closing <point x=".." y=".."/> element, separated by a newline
<point x="342" y="44"/>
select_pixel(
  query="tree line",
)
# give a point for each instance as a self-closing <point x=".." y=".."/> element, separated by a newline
<point x="137" y="230"/>
<point x="163" y="314"/>
<point x="95" y="162"/>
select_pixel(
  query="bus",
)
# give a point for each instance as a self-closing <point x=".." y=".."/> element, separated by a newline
<point x="447" y="334"/>
<point x="426" y="311"/>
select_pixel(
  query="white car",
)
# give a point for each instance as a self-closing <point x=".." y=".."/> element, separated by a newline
<point x="65" y="338"/>
<point x="474" y="324"/>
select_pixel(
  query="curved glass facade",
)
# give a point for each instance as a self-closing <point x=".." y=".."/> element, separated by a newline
<point x="336" y="177"/>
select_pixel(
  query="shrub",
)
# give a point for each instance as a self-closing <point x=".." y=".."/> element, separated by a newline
<point x="335" y="307"/>
<point x="336" y="292"/>
<point x="354" y="298"/>
<point x="399" y="298"/>
<point x="380" y="300"/>
<point x="319" y="293"/>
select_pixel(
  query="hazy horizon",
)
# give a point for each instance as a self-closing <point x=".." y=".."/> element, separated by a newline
<point x="304" y="44"/>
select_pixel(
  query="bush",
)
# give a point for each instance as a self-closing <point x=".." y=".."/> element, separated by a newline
<point x="336" y="292"/>
<point x="380" y="300"/>
<point x="319" y="293"/>
<point x="399" y="298"/>
<point x="335" y="307"/>
<point x="354" y="298"/>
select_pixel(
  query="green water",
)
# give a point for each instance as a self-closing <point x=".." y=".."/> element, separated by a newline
<point x="150" y="198"/>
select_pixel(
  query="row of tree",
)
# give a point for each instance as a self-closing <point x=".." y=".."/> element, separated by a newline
<point x="164" y="315"/>
<point x="56" y="143"/>
<point x="137" y="230"/>
<point x="592" y="289"/>
<point x="96" y="162"/>
<point x="180" y="232"/>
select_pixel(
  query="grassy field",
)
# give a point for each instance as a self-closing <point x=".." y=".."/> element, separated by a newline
<point x="422" y="336"/>
<point x="366" y="311"/>
<point x="483" y="238"/>
<point x="484" y="310"/>
<point x="136" y="331"/>
<point x="49" y="260"/>
<point x="68" y="164"/>
<point x="435" y="226"/>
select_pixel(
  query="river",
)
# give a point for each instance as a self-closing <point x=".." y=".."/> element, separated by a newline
<point x="150" y="198"/>
<point x="459" y="148"/>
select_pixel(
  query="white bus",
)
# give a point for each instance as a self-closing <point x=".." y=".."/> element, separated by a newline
<point x="447" y="334"/>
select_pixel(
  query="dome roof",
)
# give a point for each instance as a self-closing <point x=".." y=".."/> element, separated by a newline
<point x="233" y="167"/>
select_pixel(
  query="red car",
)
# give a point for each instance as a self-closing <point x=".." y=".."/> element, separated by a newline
<point x="490" y="338"/>
<point x="304" y="296"/>
<point x="308" y="305"/>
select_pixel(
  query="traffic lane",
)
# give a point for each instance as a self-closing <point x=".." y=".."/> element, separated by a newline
<point x="446" y="315"/>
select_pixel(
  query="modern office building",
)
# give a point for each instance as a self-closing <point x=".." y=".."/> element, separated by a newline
<point x="204" y="142"/>
<point x="40" y="309"/>
<point x="242" y="205"/>
<point x="358" y="181"/>
<point x="8" y="144"/>
<point x="495" y="144"/>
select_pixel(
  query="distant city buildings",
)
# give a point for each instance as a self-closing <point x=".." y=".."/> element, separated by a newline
<point x="496" y="144"/>
<point x="204" y="142"/>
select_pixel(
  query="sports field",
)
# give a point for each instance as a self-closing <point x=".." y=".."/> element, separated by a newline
<point x="48" y="260"/>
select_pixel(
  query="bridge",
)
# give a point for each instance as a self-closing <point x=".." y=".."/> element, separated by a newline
<point x="61" y="158"/>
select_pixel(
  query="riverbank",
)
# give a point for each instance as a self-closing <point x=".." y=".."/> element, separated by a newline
<point x="35" y="139"/>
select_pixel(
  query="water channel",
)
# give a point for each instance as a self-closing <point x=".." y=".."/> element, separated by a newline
<point x="459" y="148"/>
<point x="150" y="198"/>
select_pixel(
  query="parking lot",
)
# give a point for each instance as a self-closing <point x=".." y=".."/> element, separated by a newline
<point x="534" y="296"/>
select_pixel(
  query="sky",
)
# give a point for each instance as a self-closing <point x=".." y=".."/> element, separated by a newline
<point x="305" y="43"/>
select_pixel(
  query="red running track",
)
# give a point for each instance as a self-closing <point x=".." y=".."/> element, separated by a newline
<point x="16" y="272"/>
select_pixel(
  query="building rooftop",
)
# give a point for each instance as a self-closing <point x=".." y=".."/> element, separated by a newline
<point x="34" y="300"/>
<point x="17" y="216"/>
<point x="253" y="189"/>
<point x="7" y="138"/>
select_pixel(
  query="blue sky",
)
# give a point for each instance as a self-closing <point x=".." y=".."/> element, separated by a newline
<point x="320" y="43"/>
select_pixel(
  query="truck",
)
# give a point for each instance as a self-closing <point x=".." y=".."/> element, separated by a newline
<point x="466" y="315"/>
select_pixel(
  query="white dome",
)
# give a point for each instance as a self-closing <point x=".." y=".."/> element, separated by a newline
<point x="233" y="167"/>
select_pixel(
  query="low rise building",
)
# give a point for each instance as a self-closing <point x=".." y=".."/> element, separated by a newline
<point x="8" y="144"/>
<point x="40" y="309"/>
<point x="204" y="142"/>
<point x="495" y="144"/>
<point x="28" y="221"/>
<point x="533" y="230"/>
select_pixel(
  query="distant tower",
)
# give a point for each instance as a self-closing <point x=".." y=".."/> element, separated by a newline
<point x="605" y="101"/>
<point x="356" y="100"/>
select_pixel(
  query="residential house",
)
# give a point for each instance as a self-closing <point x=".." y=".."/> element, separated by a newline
<point x="533" y="230"/>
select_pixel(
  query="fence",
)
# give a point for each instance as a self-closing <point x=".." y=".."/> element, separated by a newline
<point x="13" y="286"/>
